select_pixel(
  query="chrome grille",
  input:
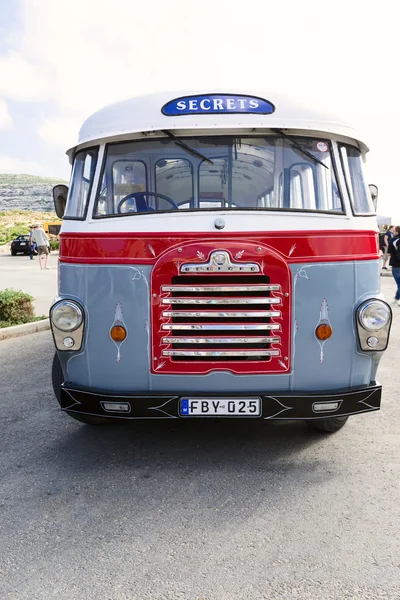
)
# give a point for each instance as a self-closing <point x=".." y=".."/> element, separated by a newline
<point x="220" y="318"/>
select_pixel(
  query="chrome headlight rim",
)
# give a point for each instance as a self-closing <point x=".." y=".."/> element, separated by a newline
<point x="365" y="334"/>
<point x="362" y="310"/>
<point x="75" y="306"/>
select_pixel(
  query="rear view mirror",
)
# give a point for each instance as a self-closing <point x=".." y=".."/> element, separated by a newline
<point x="60" y="193"/>
<point x="373" y="190"/>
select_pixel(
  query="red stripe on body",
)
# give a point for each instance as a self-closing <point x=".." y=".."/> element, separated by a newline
<point x="146" y="248"/>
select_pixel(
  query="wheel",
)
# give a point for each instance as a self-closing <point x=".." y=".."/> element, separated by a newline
<point x="13" y="253"/>
<point x="329" y="425"/>
<point x="57" y="378"/>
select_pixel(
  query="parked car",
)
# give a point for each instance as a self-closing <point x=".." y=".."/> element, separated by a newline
<point x="21" y="245"/>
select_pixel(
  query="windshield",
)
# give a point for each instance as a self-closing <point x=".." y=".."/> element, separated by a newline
<point x="224" y="173"/>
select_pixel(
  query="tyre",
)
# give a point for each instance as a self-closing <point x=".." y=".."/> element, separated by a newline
<point x="329" y="425"/>
<point x="57" y="378"/>
<point x="13" y="253"/>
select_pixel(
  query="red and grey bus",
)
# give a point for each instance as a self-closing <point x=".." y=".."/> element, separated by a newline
<point x="218" y="258"/>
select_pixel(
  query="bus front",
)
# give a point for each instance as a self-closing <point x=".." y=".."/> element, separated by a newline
<point x="218" y="259"/>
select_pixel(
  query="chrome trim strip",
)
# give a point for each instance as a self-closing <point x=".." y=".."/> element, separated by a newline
<point x="220" y="353"/>
<point x="223" y="340"/>
<point x="221" y="301"/>
<point x="222" y="326"/>
<point x="221" y="288"/>
<point x="222" y="315"/>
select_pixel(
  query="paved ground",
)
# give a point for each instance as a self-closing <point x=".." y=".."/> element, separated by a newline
<point x="186" y="510"/>
<point x="21" y="273"/>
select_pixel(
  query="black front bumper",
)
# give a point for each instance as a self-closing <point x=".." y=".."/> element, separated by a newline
<point x="273" y="406"/>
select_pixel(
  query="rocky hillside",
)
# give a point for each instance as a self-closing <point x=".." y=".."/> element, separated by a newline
<point x="27" y="192"/>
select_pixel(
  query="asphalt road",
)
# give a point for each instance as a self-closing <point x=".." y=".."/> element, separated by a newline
<point x="21" y="273"/>
<point x="222" y="510"/>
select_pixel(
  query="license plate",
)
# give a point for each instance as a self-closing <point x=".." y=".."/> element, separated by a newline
<point x="227" y="407"/>
<point x="22" y="243"/>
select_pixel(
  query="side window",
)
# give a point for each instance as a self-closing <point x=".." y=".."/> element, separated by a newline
<point x="121" y="178"/>
<point x="312" y="187"/>
<point x="266" y="200"/>
<point x="358" y="191"/>
<point x="296" y="190"/>
<point x="174" y="179"/>
<point x="302" y="193"/>
<point x="129" y="177"/>
<point x="81" y="183"/>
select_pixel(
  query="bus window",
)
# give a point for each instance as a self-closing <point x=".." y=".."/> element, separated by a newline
<point x="296" y="189"/>
<point x="312" y="184"/>
<point x="174" y="178"/>
<point x="358" y="191"/>
<point x="238" y="177"/>
<point x="128" y="176"/>
<point x="81" y="183"/>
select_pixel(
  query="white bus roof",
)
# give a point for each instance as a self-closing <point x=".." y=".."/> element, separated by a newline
<point x="144" y="114"/>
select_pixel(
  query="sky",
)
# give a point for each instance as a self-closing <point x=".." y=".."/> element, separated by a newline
<point x="62" y="60"/>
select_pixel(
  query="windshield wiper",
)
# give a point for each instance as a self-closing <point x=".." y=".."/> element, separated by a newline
<point x="300" y="148"/>
<point x="182" y="144"/>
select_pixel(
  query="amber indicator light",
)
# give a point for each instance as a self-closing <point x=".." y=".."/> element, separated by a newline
<point x="323" y="332"/>
<point x="118" y="333"/>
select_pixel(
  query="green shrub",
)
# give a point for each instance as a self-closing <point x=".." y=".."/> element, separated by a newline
<point x="15" y="307"/>
<point x="18" y="229"/>
<point x="54" y="245"/>
<point x="10" y="233"/>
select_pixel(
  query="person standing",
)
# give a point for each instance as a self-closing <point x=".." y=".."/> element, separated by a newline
<point x="394" y="251"/>
<point x="41" y="239"/>
<point x="382" y="233"/>
<point x="31" y="243"/>
<point x="387" y="239"/>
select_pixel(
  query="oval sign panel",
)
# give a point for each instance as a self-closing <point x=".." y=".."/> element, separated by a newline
<point x="217" y="103"/>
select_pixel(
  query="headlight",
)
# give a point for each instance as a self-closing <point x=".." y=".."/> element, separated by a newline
<point x="66" y="316"/>
<point x="374" y="315"/>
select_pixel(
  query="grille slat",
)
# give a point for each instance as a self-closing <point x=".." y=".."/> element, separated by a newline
<point x="222" y="315"/>
<point x="236" y="310"/>
<point x="221" y="301"/>
<point x="220" y="288"/>
<point x="222" y="340"/>
<point x="222" y="353"/>
<point x="220" y="326"/>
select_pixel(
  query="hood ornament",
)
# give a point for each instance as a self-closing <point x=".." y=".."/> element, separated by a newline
<point x="220" y="262"/>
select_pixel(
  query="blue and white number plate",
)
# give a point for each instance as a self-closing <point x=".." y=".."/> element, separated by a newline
<point x="224" y="407"/>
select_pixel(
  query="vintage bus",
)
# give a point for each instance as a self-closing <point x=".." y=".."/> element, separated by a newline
<point x="218" y="258"/>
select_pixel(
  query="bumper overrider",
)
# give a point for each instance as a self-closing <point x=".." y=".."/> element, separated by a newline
<point x="302" y="405"/>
